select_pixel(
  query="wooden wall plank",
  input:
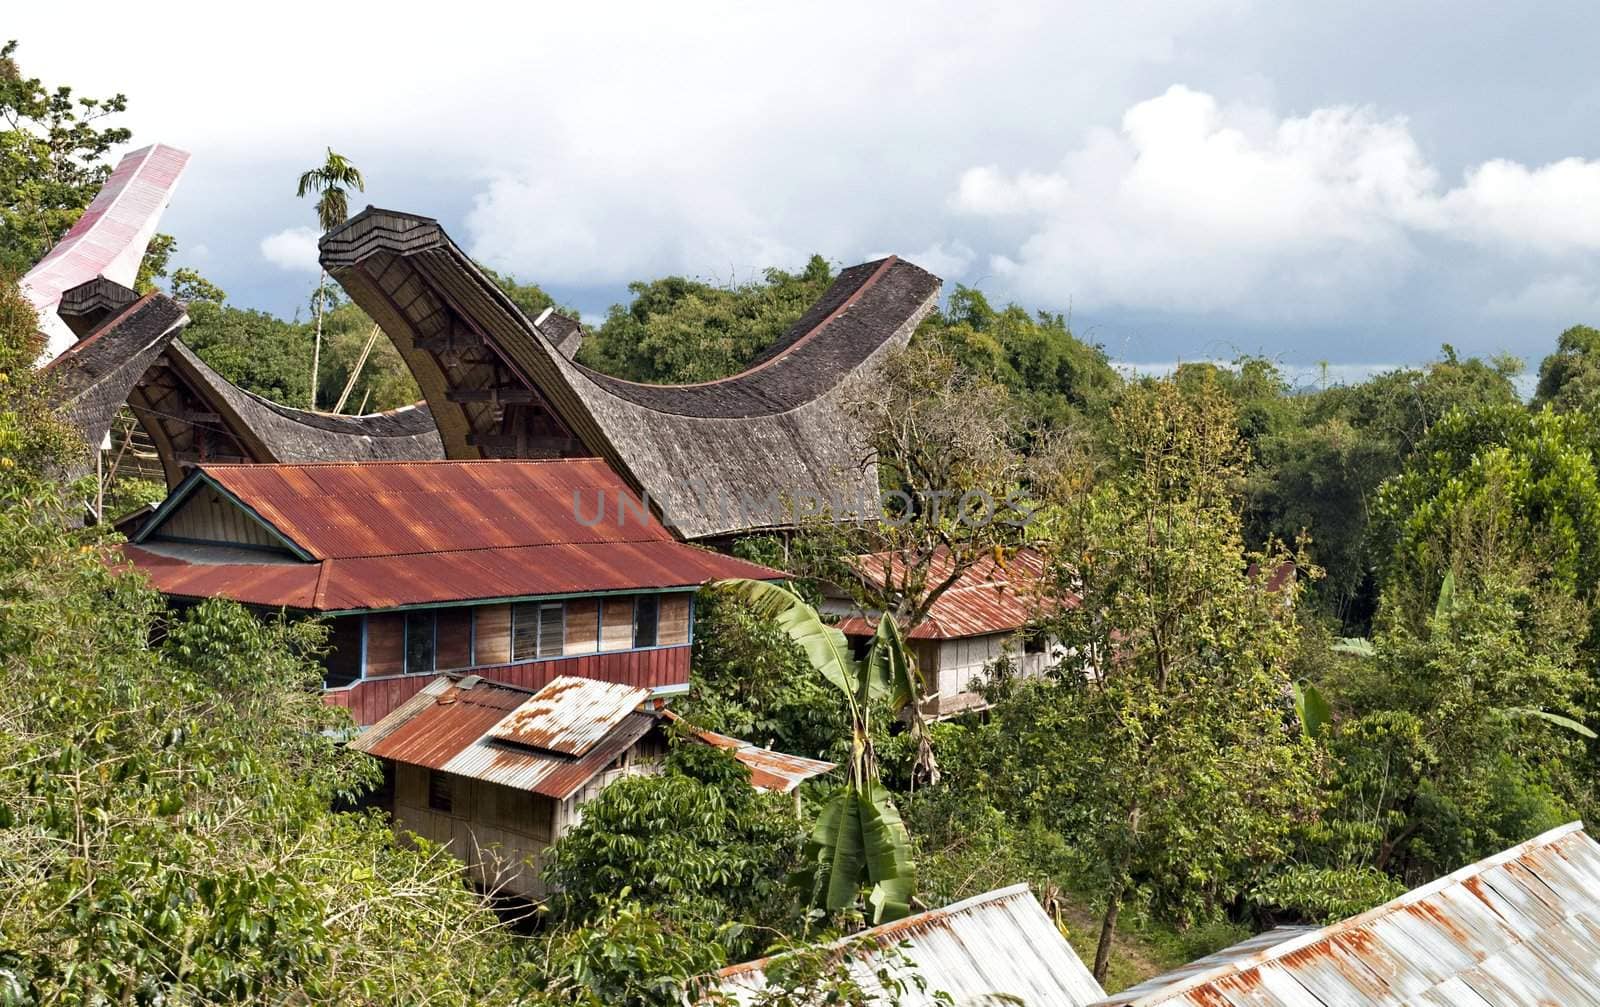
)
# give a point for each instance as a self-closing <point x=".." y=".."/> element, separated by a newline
<point x="493" y="634"/>
<point x="583" y="626"/>
<point x="386" y="644"/>
<point x="673" y="625"/>
<point x="453" y="640"/>
<point x="616" y="623"/>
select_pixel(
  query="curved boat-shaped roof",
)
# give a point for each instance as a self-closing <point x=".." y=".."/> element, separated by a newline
<point x="191" y="412"/>
<point x="739" y="454"/>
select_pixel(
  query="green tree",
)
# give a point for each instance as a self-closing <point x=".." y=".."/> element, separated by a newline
<point x="677" y="330"/>
<point x="331" y="182"/>
<point x="1163" y="749"/>
<point x="52" y="160"/>
<point x="1056" y="379"/>
<point x="696" y="845"/>
<point x="1569" y="378"/>
<point x="751" y="681"/>
<point x="859" y="838"/>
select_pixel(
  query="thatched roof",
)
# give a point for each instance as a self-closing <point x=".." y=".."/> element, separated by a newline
<point x="191" y="412"/>
<point x="716" y="458"/>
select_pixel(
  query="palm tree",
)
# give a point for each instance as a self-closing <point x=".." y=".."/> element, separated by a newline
<point x="330" y="182"/>
<point x="859" y="837"/>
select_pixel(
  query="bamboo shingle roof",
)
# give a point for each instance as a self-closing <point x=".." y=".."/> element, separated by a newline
<point x="716" y="458"/>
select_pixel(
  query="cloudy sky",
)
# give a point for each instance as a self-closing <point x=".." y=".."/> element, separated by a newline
<point x="1349" y="183"/>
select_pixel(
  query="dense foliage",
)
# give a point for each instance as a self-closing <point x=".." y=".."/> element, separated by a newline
<point x="1216" y="749"/>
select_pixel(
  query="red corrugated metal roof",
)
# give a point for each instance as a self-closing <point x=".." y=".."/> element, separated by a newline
<point x="769" y="770"/>
<point x="449" y="727"/>
<point x="342" y="511"/>
<point x="393" y="534"/>
<point x="989" y="597"/>
<point x="343" y="585"/>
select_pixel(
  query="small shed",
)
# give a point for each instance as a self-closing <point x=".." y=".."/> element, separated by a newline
<point x="990" y="611"/>
<point x="498" y="773"/>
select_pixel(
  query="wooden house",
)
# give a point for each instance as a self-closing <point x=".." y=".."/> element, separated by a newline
<point x="498" y="773"/>
<point x="519" y="570"/>
<point x="988" y="613"/>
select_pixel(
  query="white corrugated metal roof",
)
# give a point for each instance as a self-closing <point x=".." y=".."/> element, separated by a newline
<point x="570" y="715"/>
<point x="998" y="944"/>
<point x="1519" y="928"/>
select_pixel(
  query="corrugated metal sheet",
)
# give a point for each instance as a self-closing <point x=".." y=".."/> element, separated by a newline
<point x="109" y="238"/>
<point x="1000" y="944"/>
<point x="391" y="534"/>
<point x="338" y="585"/>
<point x="370" y="700"/>
<point x="988" y="598"/>
<point x="1519" y="928"/>
<point x="769" y="770"/>
<point x="570" y="715"/>
<point x="448" y="727"/>
<point x="349" y="510"/>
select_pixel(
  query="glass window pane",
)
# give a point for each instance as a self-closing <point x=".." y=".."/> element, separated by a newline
<point x="524" y="631"/>
<point x="552" y="629"/>
<point x="645" y="610"/>
<point x="419" y="642"/>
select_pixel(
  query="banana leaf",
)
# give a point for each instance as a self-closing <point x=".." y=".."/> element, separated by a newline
<point x="888" y="668"/>
<point x="1313" y="708"/>
<point x="859" y="839"/>
<point x="1555" y="718"/>
<point x="825" y="647"/>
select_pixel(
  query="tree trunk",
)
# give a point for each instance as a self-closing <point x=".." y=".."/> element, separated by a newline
<point x="316" y="347"/>
<point x="1108" y="929"/>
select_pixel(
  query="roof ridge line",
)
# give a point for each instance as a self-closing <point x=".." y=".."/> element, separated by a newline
<point x="587" y="543"/>
<point x="884" y="265"/>
<point x="380" y="462"/>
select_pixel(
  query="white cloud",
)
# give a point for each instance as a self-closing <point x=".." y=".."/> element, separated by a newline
<point x="1196" y="207"/>
<point x="1552" y="210"/>
<point x="294" y="249"/>
<point x="1559" y="299"/>
<point x="948" y="260"/>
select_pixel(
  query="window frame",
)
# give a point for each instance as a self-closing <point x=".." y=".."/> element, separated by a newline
<point x="433" y="642"/>
<point x="441" y="783"/>
<point x="654" y="601"/>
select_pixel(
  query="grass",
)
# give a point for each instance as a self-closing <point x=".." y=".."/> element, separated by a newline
<point x="1141" y="949"/>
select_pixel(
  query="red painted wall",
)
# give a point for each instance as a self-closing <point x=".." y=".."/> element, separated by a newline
<point x="370" y="700"/>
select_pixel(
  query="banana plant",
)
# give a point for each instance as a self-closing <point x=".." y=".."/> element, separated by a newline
<point x="859" y="839"/>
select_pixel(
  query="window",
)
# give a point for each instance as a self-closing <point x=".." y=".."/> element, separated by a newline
<point x="552" y="629"/>
<point x="419" y="642"/>
<point x="440" y="795"/>
<point x="537" y="630"/>
<point x="524" y="631"/>
<point x="646" y="609"/>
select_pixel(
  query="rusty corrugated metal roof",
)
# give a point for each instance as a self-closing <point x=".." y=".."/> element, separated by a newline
<point x="989" y="597"/>
<point x="570" y="715"/>
<point x="769" y="770"/>
<point x="350" y="510"/>
<point x="1519" y="928"/>
<point x="996" y="945"/>
<point x="339" y="585"/>
<point x="450" y="726"/>
<point x="394" y="534"/>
